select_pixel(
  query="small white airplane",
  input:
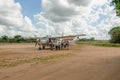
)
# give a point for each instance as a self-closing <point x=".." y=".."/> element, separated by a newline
<point x="44" y="41"/>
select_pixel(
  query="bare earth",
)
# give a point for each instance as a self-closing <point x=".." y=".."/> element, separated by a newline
<point x="86" y="63"/>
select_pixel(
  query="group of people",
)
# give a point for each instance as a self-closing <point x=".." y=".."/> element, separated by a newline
<point x="57" y="44"/>
<point x="61" y="44"/>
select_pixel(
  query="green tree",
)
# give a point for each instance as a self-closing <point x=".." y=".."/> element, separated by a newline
<point x="11" y="40"/>
<point x="117" y="6"/>
<point x="115" y="34"/>
<point x="18" y="38"/>
<point x="0" y="39"/>
<point x="5" y="38"/>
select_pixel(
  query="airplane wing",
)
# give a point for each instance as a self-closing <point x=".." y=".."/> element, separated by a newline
<point x="70" y="37"/>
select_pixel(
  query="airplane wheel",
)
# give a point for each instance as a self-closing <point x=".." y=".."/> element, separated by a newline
<point x="40" y="49"/>
<point x="43" y="47"/>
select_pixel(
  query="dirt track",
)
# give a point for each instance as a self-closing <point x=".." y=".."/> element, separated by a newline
<point x="87" y="63"/>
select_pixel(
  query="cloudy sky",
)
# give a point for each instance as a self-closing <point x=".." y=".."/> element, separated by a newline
<point x="54" y="17"/>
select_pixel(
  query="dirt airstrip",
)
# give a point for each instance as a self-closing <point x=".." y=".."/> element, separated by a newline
<point x="80" y="62"/>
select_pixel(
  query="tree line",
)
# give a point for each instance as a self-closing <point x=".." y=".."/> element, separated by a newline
<point x="16" y="39"/>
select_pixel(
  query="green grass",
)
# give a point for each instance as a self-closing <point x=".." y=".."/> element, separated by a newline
<point x="99" y="43"/>
<point x="11" y="62"/>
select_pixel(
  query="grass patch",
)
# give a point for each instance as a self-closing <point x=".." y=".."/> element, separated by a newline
<point x="99" y="43"/>
<point x="11" y="62"/>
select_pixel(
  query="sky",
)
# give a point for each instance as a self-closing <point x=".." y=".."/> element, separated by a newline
<point x="31" y="18"/>
<point x="30" y="7"/>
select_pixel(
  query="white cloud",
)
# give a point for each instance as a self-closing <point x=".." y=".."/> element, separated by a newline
<point x="94" y="18"/>
<point x="12" y="21"/>
<point x="99" y="2"/>
<point x="63" y="10"/>
<point x="2" y="29"/>
<point x="10" y="13"/>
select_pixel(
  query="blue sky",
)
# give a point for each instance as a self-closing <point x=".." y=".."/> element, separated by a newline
<point x="30" y="7"/>
<point x="92" y="17"/>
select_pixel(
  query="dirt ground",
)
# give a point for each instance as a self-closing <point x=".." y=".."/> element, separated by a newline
<point x="86" y="63"/>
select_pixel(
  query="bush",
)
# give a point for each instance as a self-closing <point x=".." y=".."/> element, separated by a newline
<point x="115" y="35"/>
<point x="16" y="39"/>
